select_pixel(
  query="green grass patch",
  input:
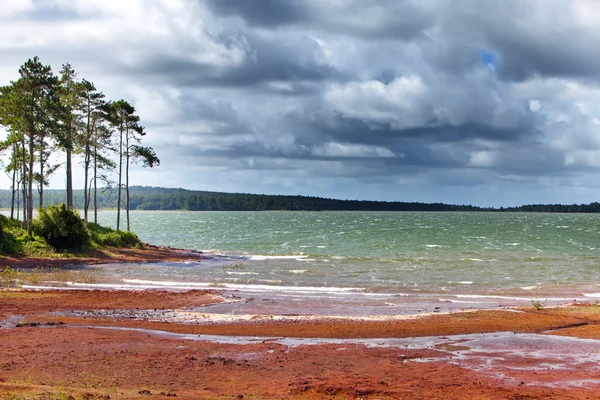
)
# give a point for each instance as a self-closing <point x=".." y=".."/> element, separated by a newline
<point x="102" y="236"/>
<point x="60" y="233"/>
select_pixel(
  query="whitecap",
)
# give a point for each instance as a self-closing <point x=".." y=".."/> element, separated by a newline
<point x="481" y="296"/>
<point x="258" y="257"/>
<point x="241" y="273"/>
<point x="140" y="283"/>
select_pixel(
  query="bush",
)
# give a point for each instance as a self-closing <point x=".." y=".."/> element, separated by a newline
<point x="61" y="228"/>
<point x="8" y="242"/>
<point x="8" y="276"/>
<point x="103" y="236"/>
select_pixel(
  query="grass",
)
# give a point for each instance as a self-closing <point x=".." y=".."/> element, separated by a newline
<point x="15" y="241"/>
<point x="106" y="237"/>
<point x="538" y="304"/>
<point x="8" y="277"/>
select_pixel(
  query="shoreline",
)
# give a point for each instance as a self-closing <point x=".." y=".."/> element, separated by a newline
<point x="55" y="345"/>
<point x="110" y="255"/>
<point x="128" y="344"/>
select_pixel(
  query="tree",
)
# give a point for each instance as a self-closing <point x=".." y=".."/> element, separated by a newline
<point x="13" y="169"/>
<point x="70" y="103"/>
<point x="121" y="114"/>
<point x="101" y="143"/>
<point x="130" y="134"/>
<point x="26" y="110"/>
<point x="136" y="153"/>
<point x="11" y="117"/>
<point x="93" y="108"/>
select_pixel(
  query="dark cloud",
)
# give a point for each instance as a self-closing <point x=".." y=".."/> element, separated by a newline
<point x="384" y="19"/>
<point x="261" y="60"/>
<point x="270" y="13"/>
<point x="554" y="38"/>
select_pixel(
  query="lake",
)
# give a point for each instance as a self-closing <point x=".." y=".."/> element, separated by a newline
<point x="372" y="263"/>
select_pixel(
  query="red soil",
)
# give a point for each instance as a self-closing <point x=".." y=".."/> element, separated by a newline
<point x="102" y="256"/>
<point x="47" y="362"/>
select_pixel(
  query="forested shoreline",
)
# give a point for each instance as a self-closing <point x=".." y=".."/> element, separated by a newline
<point x="156" y="198"/>
<point x="53" y="121"/>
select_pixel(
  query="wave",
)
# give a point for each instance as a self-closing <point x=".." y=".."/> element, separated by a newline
<point x="483" y="296"/>
<point x="463" y="301"/>
<point x="248" y="287"/>
<point x="258" y="257"/>
<point x="241" y="273"/>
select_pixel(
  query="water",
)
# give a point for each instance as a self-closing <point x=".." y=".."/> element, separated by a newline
<point x="373" y="263"/>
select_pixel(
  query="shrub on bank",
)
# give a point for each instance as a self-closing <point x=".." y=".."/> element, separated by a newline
<point x="57" y="227"/>
<point x="103" y="236"/>
<point x="61" y="227"/>
<point x="8" y="241"/>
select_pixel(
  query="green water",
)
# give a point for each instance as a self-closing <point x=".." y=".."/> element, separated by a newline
<point x="379" y="251"/>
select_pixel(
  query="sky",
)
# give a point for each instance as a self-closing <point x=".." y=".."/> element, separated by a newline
<point x="483" y="102"/>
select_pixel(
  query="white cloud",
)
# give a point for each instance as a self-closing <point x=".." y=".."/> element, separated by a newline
<point x="352" y="150"/>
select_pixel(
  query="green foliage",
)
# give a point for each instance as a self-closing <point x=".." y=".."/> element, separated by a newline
<point x="65" y="230"/>
<point x="34" y="246"/>
<point x="156" y="198"/>
<point x="102" y="236"/>
<point x="8" y="276"/>
<point x="8" y="241"/>
<point x="538" y="304"/>
<point x="61" y="228"/>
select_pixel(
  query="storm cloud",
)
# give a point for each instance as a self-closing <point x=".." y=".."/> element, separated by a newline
<point x="483" y="102"/>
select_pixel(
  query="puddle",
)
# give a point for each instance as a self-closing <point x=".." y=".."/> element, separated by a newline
<point x="11" y="321"/>
<point x="529" y="359"/>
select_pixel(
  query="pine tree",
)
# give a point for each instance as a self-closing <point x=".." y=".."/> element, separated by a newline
<point x="70" y="102"/>
<point x="93" y="107"/>
<point x="26" y="109"/>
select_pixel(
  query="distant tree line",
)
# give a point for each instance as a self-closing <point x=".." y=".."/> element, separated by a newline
<point x="154" y="198"/>
<point x="46" y="114"/>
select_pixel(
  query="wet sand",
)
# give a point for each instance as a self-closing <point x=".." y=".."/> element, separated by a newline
<point x="56" y="343"/>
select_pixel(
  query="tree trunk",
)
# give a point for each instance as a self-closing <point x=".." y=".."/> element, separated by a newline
<point x="120" y="176"/>
<point x="24" y="181"/>
<point x="14" y="175"/>
<point x="127" y="180"/>
<point x="30" y="182"/>
<point x="95" y="180"/>
<point x="86" y="166"/>
<point x="42" y="162"/>
<point x="69" y="180"/>
<point x="18" y="198"/>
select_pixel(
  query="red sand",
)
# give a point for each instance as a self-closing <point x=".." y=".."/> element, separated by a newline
<point x="61" y="360"/>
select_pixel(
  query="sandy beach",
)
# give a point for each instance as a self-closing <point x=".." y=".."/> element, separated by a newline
<point x="53" y="345"/>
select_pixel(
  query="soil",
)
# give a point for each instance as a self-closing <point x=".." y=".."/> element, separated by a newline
<point x="146" y="254"/>
<point x="48" y="356"/>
